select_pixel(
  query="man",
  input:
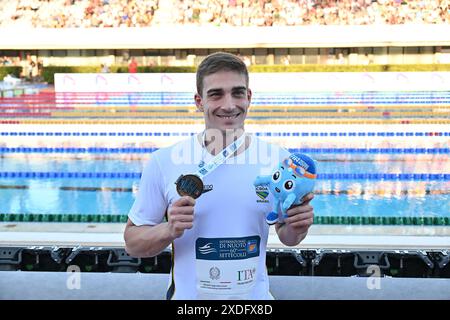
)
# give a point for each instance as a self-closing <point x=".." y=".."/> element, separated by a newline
<point x="219" y="239"/>
<point x="132" y="66"/>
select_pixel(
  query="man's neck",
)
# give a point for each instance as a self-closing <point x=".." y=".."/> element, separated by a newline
<point x="215" y="141"/>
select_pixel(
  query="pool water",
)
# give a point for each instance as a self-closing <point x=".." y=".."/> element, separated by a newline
<point x="364" y="171"/>
<point x="386" y="190"/>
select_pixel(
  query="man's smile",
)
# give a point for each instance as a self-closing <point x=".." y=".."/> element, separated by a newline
<point x="228" y="116"/>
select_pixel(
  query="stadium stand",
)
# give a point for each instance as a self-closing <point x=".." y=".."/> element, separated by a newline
<point x="182" y="33"/>
<point x="139" y="13"/>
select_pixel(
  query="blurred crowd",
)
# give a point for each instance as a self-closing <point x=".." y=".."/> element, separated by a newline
<point x="313" y="12"/>
<point x="141" y="13"/>
<point x="77" y="13"/>
<point x="31" y="66"/>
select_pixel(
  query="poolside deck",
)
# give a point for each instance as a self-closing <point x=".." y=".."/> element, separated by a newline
<point x="319" y="237"/>
<point x="138" y="286"/>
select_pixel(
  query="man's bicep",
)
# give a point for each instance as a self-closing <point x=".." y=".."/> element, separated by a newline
<point x="130" y="223"/>
<point x="150" y="204"/>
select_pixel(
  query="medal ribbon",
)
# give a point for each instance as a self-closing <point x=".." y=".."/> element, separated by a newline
<point x="220" y="158"/>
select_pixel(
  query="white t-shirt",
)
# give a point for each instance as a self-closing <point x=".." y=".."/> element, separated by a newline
<point x="224" y="255"/>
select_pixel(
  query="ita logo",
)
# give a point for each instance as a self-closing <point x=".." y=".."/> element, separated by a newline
<point x="262" y="192"/>
<point x="246" y="274"/>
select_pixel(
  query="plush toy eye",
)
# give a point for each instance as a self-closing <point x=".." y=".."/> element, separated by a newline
<point x="276" y="176"/>
<point x="288" y="185"/>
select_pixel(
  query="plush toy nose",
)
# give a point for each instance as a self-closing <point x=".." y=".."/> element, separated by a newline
<point x="277" y="190"/>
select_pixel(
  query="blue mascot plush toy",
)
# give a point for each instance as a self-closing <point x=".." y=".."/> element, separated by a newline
<point x="294" y="177"/>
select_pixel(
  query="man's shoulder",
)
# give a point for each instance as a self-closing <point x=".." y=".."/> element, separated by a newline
<point x="167" y="152"/>
<point x="167" y="156"/>
<point x="267" y="145"/>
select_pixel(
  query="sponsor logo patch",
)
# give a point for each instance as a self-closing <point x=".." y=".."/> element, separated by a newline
<point x="262" y="192"/>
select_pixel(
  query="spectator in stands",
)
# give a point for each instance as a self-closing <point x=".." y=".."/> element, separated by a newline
<point x="366" y="59"/>
<point x="245" y="59"/>
<point x="340" y="58"/>
<point x="34" y="69"/>
<point x="133" y="65"/>
<point x="104" y="68"/>
<point x="40" y="69"/>
<point x="6" y="61"/>
<point x="28" y="66"/>
<point x="285" y="60"/>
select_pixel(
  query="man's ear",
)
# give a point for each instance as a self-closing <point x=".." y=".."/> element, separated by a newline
<point x="199" y="102"/>
<point x="249" y="95"/>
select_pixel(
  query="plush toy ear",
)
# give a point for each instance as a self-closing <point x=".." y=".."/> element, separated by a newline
<point x="286" y="163"/>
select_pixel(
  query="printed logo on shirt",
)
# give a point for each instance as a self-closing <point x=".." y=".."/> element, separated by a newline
<point x="214" y="273"/>
<point x="207" y="188"/>
<point x="252" y="246"/>
<point x="262" y="192"/>
<point x="207" y="249"/>
<point x="227" y="248"/>
<point x="246" y="275"/>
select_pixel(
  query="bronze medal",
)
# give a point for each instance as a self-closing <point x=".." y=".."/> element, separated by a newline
<point x="189" y="185"/>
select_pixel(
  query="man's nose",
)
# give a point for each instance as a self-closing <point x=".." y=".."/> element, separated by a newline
<point x="228" y="103"/>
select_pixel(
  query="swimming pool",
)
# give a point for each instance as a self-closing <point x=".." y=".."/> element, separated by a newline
<point x="383" y="156"/>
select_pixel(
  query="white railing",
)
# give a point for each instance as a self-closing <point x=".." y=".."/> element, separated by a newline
<point x="190" y="37"/>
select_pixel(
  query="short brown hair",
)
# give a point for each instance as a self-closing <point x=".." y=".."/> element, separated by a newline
<point x="219" y="61"/>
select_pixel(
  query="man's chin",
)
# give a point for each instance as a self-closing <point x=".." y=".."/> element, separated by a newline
<point x="226" y="129"/>
<point x="231" y="127"/>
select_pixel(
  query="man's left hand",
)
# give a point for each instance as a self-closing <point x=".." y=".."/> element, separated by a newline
<point x="301" y="217"/>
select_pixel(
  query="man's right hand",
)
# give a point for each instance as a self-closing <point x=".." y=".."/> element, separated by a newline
<point x="181" y="216"/>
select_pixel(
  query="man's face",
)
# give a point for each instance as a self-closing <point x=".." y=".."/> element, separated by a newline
<point x="225" y="100"/>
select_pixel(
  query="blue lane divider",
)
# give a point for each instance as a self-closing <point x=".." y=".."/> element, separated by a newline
<point x="372" y="150"/>
<point x="260" y="134"/>
<point x="76" y="150"/>
<point x="96" y="134"/>
<point x="137" y="175"/>
<point x="270" y="94"/>
<point x="327" y="101"/>
<point x="385" y="176"/>
<point x="71" y="175"/>
<point x="300" y="150"/>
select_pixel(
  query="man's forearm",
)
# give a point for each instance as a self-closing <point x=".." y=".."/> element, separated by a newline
<point x="147" y="241"/>
<point x="289" y="236"/>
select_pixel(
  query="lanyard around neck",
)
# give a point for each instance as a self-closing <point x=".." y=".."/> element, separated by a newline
<point x="220" y="158"/>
